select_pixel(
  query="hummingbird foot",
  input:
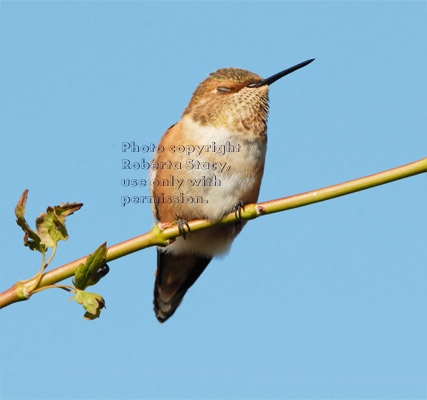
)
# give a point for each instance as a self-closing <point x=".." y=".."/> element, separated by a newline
<point x="182" y="226"/>
<point x="238" y="209"/>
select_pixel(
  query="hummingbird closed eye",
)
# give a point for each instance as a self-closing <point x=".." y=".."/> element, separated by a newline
<point x="227" y="111"/>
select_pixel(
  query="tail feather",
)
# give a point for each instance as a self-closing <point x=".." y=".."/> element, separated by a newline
<point x="175" y="275"/>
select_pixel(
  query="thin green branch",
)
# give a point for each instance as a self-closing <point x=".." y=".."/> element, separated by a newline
<point x="39" y="275"/>
<point x="68" y="288"/>
<point x="162" y="235"/>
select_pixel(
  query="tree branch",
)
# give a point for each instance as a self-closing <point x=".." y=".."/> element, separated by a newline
<point x="163" y="235"/>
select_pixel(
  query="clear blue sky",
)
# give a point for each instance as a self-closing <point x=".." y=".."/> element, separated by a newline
<point x="326" y="301"/>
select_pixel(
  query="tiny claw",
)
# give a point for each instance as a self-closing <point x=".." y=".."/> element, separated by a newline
<point x="238" y="209"/>
<point x="182" y="224"/>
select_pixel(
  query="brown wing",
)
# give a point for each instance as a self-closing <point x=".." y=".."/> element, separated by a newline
<point x="175" y="275"/>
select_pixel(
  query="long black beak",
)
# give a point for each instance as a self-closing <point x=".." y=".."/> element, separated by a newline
<point x="279" y="75"/>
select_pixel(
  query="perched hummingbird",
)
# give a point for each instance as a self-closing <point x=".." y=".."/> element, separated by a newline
<point x="211" y="164"/>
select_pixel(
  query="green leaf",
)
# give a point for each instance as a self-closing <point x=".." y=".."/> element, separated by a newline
<point x="93" y="269"/>
<point x="92" y="302"/>
<point x="51" y="225"/>
<point x="31" y="238"/>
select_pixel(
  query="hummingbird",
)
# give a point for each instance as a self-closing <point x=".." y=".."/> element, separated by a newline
<point x="210" y="164"/>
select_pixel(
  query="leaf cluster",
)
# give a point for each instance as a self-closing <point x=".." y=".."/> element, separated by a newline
<point x="50" y="229"/>
<point x="50" y="225"/>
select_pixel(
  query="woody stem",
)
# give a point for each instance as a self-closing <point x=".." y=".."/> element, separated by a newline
<point x="161" y="237"/>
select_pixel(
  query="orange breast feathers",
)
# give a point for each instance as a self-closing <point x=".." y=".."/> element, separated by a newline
<point x="203" y="172"/>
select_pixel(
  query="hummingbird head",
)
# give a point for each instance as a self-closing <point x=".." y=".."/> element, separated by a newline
<point x="225" y="100"/>
<point x="234" y="98"/>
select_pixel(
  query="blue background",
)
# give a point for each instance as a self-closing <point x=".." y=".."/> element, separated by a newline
<point x="325" y="301"/>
